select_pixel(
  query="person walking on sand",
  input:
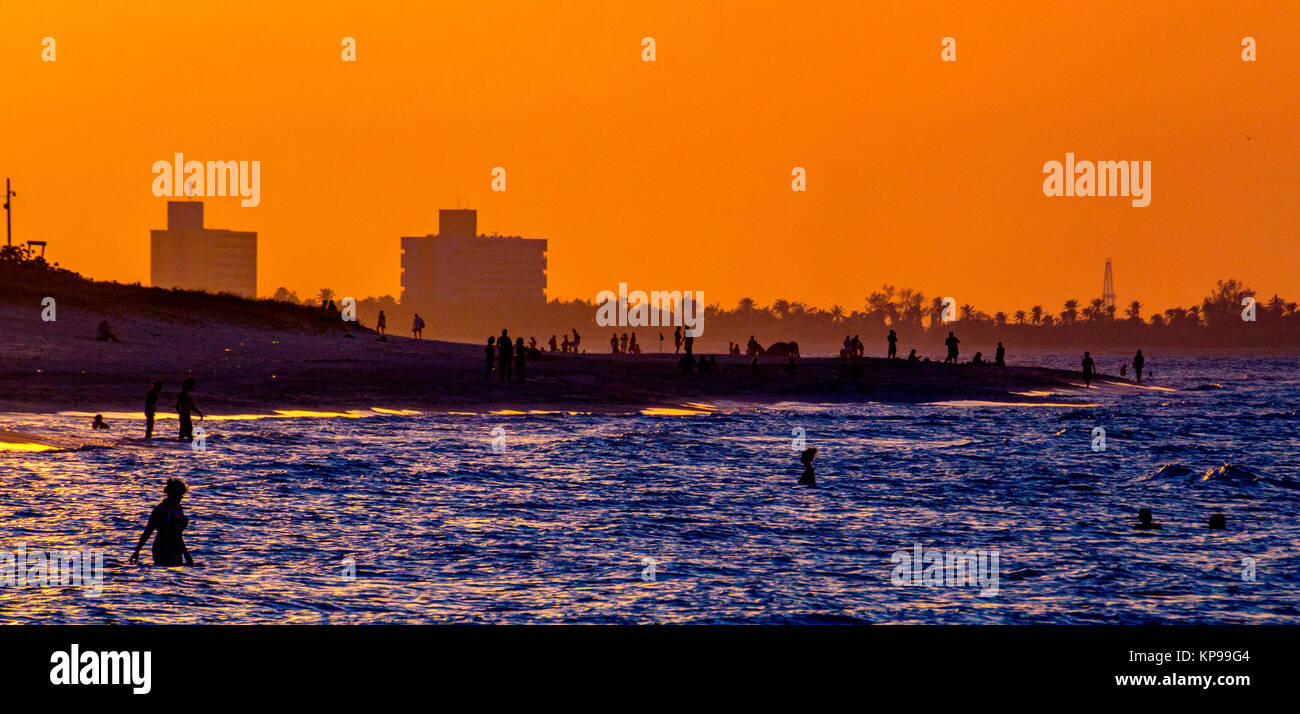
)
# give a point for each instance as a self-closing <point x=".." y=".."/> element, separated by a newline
<point x="417" y="326"/>
<point x="168" y="518"/>
<point x="1138" y="362"/>
<point x="506" y="355"/>
<point x="381" y="325"/>
<point x="893" y="344"/>
<point x="520" y="353"/>
<point x="952" y="343"/>
<point x="491" y="354"/>
<point x="150" y="408"/>
<point x="1000" y="357"/>
<point x="1089" y="368"/>
<point x="576" y="339"/>
<point x="184" y="406"/>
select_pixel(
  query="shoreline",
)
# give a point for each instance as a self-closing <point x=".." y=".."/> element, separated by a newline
<point x="253" y="369"/>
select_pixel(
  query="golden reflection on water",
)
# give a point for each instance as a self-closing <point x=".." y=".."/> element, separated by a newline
<point x="276" y="414"/>
<point x="7" y="446"/>
<point x="981" y="403"/>
<point x="1145" y="386"/>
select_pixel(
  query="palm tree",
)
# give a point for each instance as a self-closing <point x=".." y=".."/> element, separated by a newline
<point x="1020" y="317"/>
<point x="1276" y="306"/>
<point x="967" y="313"/>
<point x="1036" y="315"/>
<point x="1134" y="311"/>
<point x="1094" y="311"/>
<point x="746" y="305"/>
<point x="781" y="307"/>
<point x="1071" y="312"/>
<point x="936" y="311"/>
<point x="325" y="295"/>
<point x="881" y="306"/>
<point x="1000" y="319"/>
<point x="837" y="313"/>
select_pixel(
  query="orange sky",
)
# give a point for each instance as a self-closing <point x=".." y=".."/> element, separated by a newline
<point x="676" y="174"/>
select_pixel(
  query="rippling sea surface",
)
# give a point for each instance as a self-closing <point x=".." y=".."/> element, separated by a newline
<point x="559" y="526"/>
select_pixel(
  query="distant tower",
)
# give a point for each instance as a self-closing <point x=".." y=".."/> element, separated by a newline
<point x="1108" y="288"/>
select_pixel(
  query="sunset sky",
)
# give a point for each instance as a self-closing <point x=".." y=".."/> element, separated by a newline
<point x="675" y="174"/>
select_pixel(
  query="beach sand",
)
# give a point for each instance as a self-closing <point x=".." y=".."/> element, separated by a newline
<point x="245" y="365"/>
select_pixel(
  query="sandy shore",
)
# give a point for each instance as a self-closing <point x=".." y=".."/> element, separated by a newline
<point x="58" y="366"/>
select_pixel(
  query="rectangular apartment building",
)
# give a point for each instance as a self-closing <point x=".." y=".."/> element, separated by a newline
<point x="187" y="255"/>
<point x="455" y="273"/>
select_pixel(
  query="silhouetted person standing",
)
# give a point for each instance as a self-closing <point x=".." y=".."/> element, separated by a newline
<point x="520" y="353"/>
<point x="576" y="339"/>
<point x="613" y="343"/>
<point x="1218" y="522"/>
<point x="1145" y="523"/>
<point x="417" y="326"/>
<point x="952" y="343"/>
<point x="506" y="355"/>
<point x="491" y="354"/>
<point x="1000" y="357"/>
<point x="688" y="341"/>
<point x="677" y="340"/>
<point x="1089" y="368"/>
<point x="184" y="407"/>
<point x="1138" y="362"/>
<point x="150" y="408"/>
<point x="893" y="344"/>
<point x="168" y="518"/>
<point x="551" y="343"/>
<point x="381" y="325"/>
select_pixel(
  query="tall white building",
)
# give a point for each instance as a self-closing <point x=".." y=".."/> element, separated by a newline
<point x="187" y="255"/>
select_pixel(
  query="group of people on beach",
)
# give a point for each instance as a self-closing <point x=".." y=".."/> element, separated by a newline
<point x="624" y="346"/>
<point x="185" y="410"/>
<point x="853" y="350"/>
<point x="510" y="358"/>
<point x="1090" y="367"/>
<point x="567" y="345"/>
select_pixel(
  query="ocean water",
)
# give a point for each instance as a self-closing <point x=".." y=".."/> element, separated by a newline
<point x="564" y="524"/>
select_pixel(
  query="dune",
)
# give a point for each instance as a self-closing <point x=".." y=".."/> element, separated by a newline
<point x="256" y="356"/>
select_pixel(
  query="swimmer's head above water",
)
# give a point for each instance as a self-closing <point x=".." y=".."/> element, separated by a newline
<point x="1144" y="521"/>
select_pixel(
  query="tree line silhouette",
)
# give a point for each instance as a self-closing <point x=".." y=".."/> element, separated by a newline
<point x="1219" y="321"/>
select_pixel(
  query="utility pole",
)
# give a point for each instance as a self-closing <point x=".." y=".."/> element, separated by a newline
<point x="9" y="213"/>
